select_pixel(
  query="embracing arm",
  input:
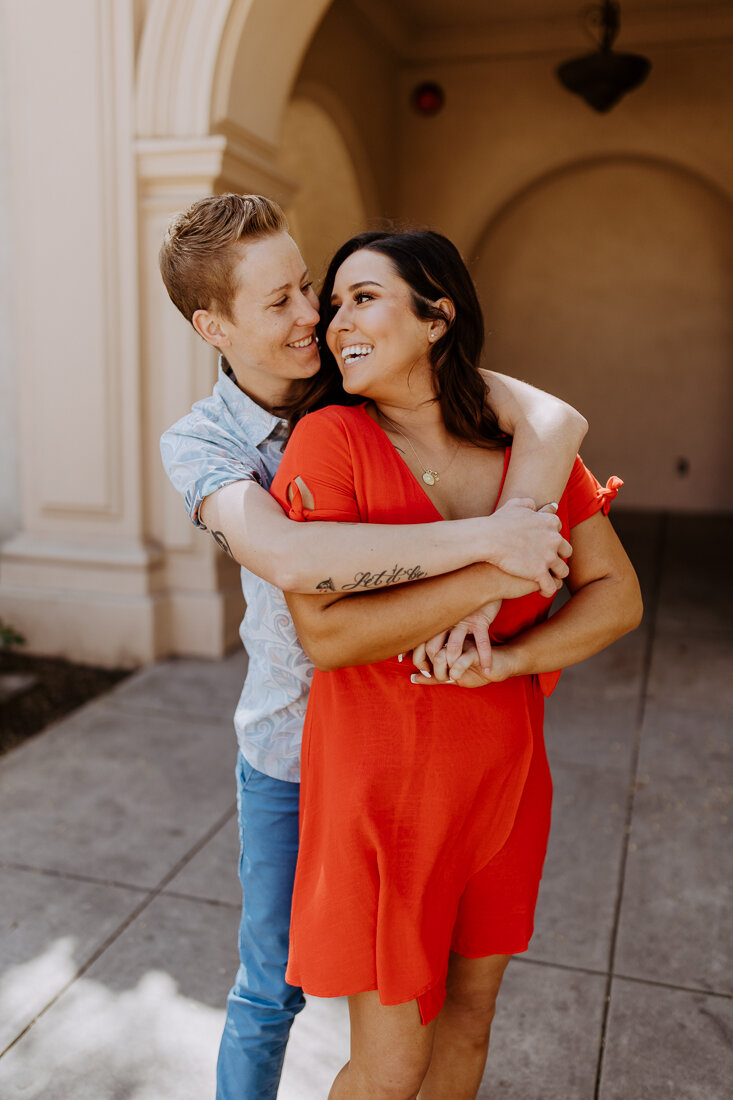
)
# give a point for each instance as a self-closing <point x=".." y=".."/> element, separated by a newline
<point x="337" y="631"/>
<point x="605" y="604"/>
<point x="547" y="436"/>
<point x="342" y="557"/>
<point x="213" y="470"/>
<point x="220" y="476"/>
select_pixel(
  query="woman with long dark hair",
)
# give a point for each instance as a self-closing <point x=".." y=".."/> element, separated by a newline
<point x="425" y="810"/>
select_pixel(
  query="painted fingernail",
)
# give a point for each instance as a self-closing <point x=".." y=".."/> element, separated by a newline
<point x="400" y="656"/>
<point x="426" y="674"/>
<point x="415" y="679"/>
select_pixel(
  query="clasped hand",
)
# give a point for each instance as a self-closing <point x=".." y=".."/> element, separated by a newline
<point x="450" y="658"/>
<point x="525" y="543"/>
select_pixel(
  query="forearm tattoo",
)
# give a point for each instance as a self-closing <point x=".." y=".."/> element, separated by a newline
<point x="397" y="575"/>
<point x="221" y="540"/>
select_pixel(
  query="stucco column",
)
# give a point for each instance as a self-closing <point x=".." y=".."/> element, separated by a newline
<point x="80" y="578"/>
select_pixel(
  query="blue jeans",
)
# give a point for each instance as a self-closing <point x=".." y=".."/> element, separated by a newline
<point x="261" y="1006"/>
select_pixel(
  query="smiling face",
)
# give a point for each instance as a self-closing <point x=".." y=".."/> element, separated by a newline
<point x="380" y="345"/>
<point x="269" y="340"/>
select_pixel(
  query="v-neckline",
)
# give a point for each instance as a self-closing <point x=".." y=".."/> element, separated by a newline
<point x="415" y="480"/>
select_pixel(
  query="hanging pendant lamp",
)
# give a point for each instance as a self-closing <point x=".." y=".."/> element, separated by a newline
<point x="603" y="77"/>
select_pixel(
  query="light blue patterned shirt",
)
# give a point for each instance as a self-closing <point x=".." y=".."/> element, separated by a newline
<point x="227" y="438"/>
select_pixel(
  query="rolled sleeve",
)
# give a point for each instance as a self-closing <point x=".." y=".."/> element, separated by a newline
<point x="199" y="458"/>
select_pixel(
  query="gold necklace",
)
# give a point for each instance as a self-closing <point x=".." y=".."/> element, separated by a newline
<point x="430" y="477"/>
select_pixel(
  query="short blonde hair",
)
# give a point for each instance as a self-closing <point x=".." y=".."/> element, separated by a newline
<point x="199" y="252"/>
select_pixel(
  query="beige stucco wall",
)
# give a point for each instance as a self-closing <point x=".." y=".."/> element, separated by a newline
<point x="602" y="247"/>
<point x="352" y="71"/>
<point x="9" y="493"/>
<point x="612" y="284"/>
<point x="80" y="567"/>
<point x="329" y="205"/>
<point x="507" y="122"/>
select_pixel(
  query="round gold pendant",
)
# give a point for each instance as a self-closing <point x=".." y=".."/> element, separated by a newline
<point x="429" y="477"/>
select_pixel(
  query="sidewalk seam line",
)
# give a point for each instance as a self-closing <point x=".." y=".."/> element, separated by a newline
<point x="131" y="917"/>
<point x="660" y="550"/>
<point x="93" y="880"/>
<point x="74" y="876"/>
<point x="593" y="972"/>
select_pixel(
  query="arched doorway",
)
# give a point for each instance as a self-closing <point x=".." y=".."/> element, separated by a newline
<point x="611" y="283"/>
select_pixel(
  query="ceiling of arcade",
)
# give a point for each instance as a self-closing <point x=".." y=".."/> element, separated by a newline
<point x="478" y="12"/>
<point x="199" y="66"/>
<point x="423" y="30"/>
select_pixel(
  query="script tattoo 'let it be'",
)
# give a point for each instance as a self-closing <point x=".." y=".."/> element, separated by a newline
<point x="387" y="576"/>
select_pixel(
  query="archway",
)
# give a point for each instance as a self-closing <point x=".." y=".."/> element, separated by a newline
<point x="611" y="283"/>
<point x="210" y="66"/>
<point x="328" y="206"/>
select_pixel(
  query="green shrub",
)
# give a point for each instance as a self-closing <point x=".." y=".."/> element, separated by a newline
<point x="9" y="636"/>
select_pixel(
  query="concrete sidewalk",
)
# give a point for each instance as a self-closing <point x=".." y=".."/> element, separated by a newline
<point x="120" y="900"/>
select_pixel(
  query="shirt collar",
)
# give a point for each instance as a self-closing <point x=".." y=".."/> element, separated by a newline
<point x="260" y="422"/>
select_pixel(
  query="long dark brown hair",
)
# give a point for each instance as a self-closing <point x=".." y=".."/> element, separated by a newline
<point x="432" y="268"/>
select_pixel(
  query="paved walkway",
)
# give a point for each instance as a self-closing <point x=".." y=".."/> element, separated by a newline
<point x="120" y="898"/>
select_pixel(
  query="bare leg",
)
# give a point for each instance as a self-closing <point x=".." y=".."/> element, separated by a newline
<point x="390" y="1051"/>
<point x="463" y="1028"/>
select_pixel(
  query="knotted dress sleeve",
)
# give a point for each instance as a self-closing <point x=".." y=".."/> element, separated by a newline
<point x="583" y="497"/>
<point x="318" y="453"/>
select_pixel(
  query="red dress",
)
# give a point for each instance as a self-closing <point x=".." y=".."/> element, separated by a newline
<point x="425" y="812"/>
